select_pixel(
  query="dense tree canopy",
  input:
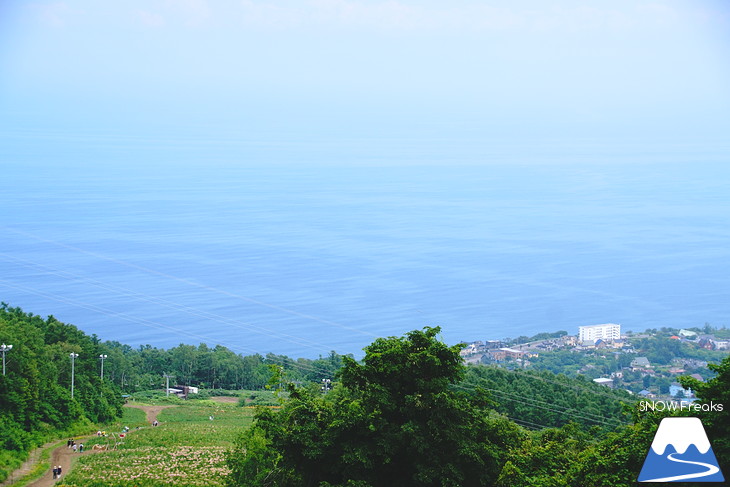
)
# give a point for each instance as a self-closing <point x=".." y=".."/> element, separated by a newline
<point x="567" y="457"/>
<point x="202" y="366"/>
<point x="543" y="399"/>
<point x="395" y="419"/>
<point x="409" y="414"/>
<point x="35" y="397"/>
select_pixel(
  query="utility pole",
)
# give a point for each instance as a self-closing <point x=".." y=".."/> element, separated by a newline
<point x="5" y="348"/>
<point x="326" y="385"/>
<point x="73" y="365"/>
<point x="102" y="357"/>
<point x="167" y="384"/>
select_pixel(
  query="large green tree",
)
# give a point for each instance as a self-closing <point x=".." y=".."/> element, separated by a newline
<point x="397" y="418"/>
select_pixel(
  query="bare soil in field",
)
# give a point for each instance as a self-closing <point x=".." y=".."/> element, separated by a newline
<point x="27" y="465"/>
<point x="150" y="411"/>
<point x="225" y="399"/>
<point x="64" y="456"/>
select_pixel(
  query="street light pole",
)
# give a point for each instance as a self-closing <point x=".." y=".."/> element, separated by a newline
<point x="73" y="364"/>
<point x="102" y="357"/>
<point x="5" y="348"/>
<point x="167" y="384"/>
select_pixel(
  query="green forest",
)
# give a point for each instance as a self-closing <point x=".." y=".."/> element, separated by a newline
<point x="409" y="413"/>
<point x="35" y="394"/>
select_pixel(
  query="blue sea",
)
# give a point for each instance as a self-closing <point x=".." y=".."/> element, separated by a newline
<point x="299" y="247"/>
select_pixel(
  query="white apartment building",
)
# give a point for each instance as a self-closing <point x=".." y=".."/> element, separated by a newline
<point x="608" y="331"/>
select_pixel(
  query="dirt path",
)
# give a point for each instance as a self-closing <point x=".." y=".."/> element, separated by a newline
<point x="64" y="456"/>
<point x="27" y="466"/>
<point x="150" y="411"/>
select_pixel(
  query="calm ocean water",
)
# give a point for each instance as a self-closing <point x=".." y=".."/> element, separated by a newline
<point x="304" y="256"/>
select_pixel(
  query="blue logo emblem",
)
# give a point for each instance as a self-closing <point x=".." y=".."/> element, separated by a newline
<point x="680" y="452"/>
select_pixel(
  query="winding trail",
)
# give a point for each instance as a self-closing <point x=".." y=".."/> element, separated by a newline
<point x="65" y="457"/>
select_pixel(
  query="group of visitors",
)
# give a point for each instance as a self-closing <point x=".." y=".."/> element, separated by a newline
<point x="71" y="443"/>
<point x="56" y="471"/>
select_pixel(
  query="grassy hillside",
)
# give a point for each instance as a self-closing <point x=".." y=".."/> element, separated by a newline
<point x="36" y="404"/>
<point x="187" y="448"/>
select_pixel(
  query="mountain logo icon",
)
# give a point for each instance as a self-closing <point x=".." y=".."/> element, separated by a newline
<point x="680" y="452"/>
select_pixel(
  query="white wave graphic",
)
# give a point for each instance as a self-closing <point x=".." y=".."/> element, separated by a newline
<point x="680" y="433"/>
<point x="712" y="469"/>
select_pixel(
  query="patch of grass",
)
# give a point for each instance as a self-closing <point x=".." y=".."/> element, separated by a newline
<point x="12" y="460"/>
<point x="9" y="462"/>
<point x="40" y="467"/>
<point x="186" y="449"/>
<point x="154" y="397"/>
<point x="258" y="398"/>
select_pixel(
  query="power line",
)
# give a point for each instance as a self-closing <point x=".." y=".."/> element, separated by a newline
<point x="530" y="402"/>
<point x="192" y="283"/>
<point x="528" y="424"/>
<point x="562" y="410"/>
<point x="166" y="303"/>
<point x="148" y="323"/>
<point x="575" y="386"/>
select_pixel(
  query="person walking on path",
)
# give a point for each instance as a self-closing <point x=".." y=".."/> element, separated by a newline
<point x="55" y="472"/>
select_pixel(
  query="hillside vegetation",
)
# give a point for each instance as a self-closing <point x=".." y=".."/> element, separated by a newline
<point x="409" y="414"/>
<point x="541" y="399"/>
<point x="187" y="448"/>
<point x="404" y="416"/>
<point x="35" y="397"/>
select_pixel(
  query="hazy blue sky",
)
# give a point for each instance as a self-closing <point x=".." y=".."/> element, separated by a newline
<point x="543" y="68"/>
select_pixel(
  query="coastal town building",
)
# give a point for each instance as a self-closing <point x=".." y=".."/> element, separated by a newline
<point x="640" y="362"/>
<point x="470" y="349"/>
<point x="607" y="331"/>
<point x="501" y="354"/>
<point x="569" y="340"/>
<point x="634" y="370"/>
